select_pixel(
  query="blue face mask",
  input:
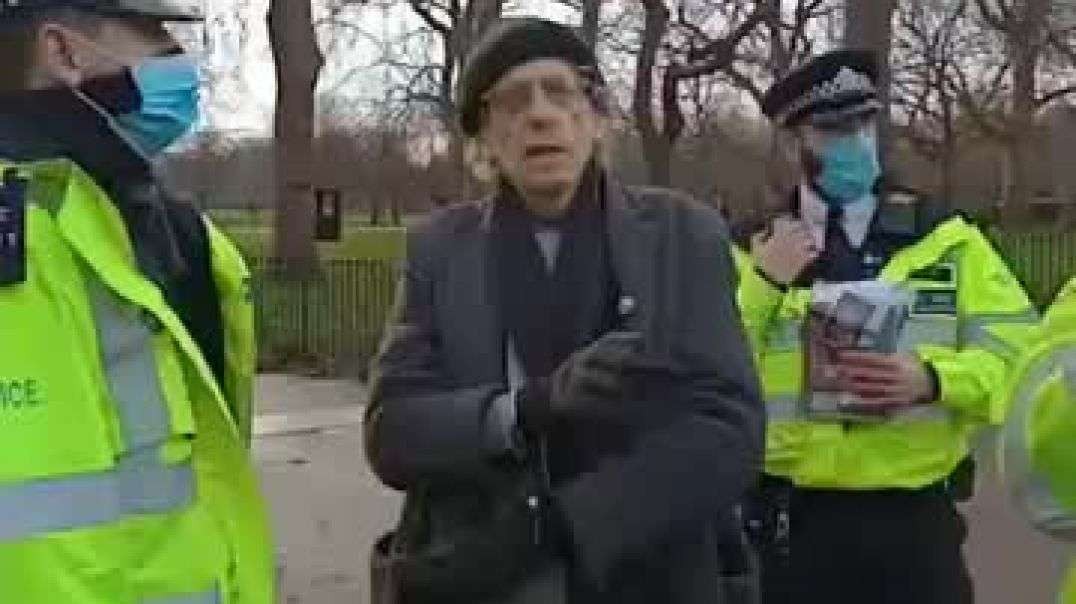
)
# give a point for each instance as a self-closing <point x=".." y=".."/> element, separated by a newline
<point x="850" y="168"/>
<point x="169" y="87"/>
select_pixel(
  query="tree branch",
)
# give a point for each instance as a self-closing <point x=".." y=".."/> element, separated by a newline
<point x="422" y="10"/>
<point x="997" y="20"/>
<point x="720" y="53"/>
<point x="1053" y="95"/>
<point x="745" y="83"/>
<point x="1062" y="47"/>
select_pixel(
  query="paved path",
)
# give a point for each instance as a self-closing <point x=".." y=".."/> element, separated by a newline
<point x="326" y="505"/>
<point x="328" y="508"/>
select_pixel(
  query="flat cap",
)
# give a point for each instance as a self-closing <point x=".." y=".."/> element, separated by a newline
<point x="509" y="44"/>
<point x="830" y="87"/>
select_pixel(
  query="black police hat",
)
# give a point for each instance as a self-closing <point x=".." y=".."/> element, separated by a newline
<point x="165" y="10"/>
<point x="827" y="89"/>
<point x="509" y="44"/>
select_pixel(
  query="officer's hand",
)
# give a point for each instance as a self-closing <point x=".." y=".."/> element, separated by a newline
<point x="886" y="380"/>
<point x="786" y="252"/>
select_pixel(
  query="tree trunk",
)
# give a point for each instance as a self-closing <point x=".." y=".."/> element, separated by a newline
<point x="1066" y="218"/>
<point x="591" y="19"/>
<point x="1019" y="186"/>
<point x="298" y="63"/>
<point x="448" y="74"/>
<point x="376" y="202"/>
<point x="478" y="16"/>
<point x="949" y="141"/>
<point x="655" y="149"/>
<point x="947" y="176"/>
<point x="780" y="55"/>
<point x="1062" y="141"/>
<point x="869" y="25"/>
<point x="397" y="213"/>
<point x="1024" y="48"/>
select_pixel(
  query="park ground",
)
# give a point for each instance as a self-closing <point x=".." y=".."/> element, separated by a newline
<point x="328" y="508"/>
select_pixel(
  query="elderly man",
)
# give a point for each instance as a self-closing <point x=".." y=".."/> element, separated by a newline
<point x="126" y="374"/>
<point x="870" y="434"/>
<point x="571" y="335"/>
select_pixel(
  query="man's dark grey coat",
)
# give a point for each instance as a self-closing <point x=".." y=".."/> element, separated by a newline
<point x="646" y="520"/>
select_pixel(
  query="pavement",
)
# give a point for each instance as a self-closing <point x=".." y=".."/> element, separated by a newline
<point x="328" y="508"/>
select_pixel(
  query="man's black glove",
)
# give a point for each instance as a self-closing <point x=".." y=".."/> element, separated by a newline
<point x="589" y="386"/>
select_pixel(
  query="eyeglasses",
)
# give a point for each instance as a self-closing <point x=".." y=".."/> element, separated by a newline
<point x="513" y="99"/>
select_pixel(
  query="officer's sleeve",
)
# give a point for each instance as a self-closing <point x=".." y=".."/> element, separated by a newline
<point x="757" y="298"/>
<point x="1037" y="451"/>
<point x="1062" y="314"/>
<point x="995" y="320"/>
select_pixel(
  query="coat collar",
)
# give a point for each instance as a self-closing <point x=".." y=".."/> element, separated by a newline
<point x="624" y="213"/>
<point x="632" y="234"/>
<point x="857" y="221"/>
<point x="632" y="229"/>
<point x="53" y="124"/>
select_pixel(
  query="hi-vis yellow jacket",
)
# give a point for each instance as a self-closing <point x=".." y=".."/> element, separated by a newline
<point x="1039" y="441"/>
<point x="126" y="477"/>
<point x="962" y="290"/>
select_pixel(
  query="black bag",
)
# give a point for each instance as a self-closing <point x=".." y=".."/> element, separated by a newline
<point x="472" y="560"/>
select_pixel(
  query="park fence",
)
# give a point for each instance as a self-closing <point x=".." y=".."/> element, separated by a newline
<point x="330" y="322"/>
<point x="333" y="321"/>
<point x="1044" y="261"/>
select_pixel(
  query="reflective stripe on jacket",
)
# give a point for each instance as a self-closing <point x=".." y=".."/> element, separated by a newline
<point x="127" y="479"/>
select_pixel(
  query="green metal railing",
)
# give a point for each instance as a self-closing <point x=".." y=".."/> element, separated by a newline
<point x="1043" y="261"/>
<point x="334" y="319"/>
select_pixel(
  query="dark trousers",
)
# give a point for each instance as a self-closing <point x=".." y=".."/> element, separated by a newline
<point x="884" y="547"/>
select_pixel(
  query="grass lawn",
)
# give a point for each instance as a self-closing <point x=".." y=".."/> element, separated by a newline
<point x="375" y="243"/>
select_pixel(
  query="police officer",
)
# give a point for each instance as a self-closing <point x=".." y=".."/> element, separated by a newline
<point x="1037" y="443"/>
<point x="861" y="508"/>
<point x="126" y="370"/>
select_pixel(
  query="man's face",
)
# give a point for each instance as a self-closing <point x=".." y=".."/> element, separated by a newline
<point x="71" y="55"/>
<point x="541" y="127"/>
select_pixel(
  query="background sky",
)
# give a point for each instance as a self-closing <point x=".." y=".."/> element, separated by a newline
<point x="241" y="84"/>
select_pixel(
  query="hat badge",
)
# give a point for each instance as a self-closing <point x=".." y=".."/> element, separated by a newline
<point x="846" y="80"/>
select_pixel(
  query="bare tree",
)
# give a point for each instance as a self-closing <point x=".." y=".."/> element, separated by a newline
<point x="869" y="25"/>
<point x="298" y="62"/>
<point x="1032" y="33"/>
<point x="786" y="41"/>
<point x="659" y="116"/>
<point x="456" y="26"/>
<point x="590" y="12"/>
<point x="698" y="53"/>
<point x="932" y="51"/>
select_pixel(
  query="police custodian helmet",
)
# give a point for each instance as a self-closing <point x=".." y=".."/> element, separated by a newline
<point x="165" y="10"/>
